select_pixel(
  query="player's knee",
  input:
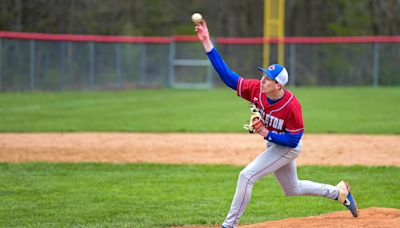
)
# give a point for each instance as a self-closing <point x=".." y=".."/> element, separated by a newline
<point x="289" y="192"/>
<point x="245" y="177"/>
<point x="293" y="191"/>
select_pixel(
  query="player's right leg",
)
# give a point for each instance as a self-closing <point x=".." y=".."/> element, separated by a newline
<point x="292" y="186"/>
<point x="267" y="162"/>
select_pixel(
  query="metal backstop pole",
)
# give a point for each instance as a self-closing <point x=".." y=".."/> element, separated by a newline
<point x="62" y="64"/>
<point x="1" y="63"/>
<point x="32" y="65"/>
<point x="118" y="80"/>
<point x="375" y="82"/>
<point x="91" y="64"/>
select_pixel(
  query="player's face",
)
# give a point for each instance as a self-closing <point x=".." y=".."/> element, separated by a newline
<point x="268" y="85"/>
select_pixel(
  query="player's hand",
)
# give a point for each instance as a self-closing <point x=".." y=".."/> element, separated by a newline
<point x="259" y="127"/>
<point x="202" y="31"/>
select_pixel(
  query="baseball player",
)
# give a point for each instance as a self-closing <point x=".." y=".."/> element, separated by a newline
<point x="280" y="123"/>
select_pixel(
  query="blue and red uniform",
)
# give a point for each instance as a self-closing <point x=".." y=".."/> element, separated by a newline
<point x="283" y="117"/>
<point x="284" y="122"/>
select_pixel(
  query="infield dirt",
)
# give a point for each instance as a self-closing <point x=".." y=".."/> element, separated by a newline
<point x="183" y="148"/>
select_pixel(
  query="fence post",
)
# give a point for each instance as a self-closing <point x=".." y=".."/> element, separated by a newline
<point x="375" y="64"/>
<point x="143" y="63"/>
<point x="118" y="65"/>
<point x="210" y="78"/>
<point x="1" y="63"/>
<point x="62" y="64"/>
<point x="292" y="64"/>
<point x="91" y="64"/>
<point x="171" y="72"/>
<point x="32" y="65"/>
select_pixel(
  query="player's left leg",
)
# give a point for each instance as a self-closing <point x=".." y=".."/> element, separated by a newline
<point x="292" y="186"/>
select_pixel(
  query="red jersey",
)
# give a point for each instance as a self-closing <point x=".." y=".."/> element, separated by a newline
<point x="283" y="116"/>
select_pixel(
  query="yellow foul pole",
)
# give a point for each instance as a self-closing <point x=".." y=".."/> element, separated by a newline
<point x="266" y="49"/>
<point x="274" y="27"/>
<point x="281" y="35"/>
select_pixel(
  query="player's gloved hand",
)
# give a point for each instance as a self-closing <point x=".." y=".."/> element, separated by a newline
<point x="256" y="120"/>
<point x="260" y="128"/>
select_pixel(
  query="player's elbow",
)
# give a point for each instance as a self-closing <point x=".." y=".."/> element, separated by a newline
<point x="294" y="140"/>
<point x="293" y="144"/>
<point x="288" y="139"/>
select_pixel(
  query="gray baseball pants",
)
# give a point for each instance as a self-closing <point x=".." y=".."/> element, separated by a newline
<point x="279" y="160"/>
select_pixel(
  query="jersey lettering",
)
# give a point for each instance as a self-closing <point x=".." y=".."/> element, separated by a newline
<point x="274" y="122"/>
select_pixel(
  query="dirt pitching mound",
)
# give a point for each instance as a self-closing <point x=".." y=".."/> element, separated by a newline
<point x="370" y="217"/>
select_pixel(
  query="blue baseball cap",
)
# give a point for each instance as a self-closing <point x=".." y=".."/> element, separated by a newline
<point x="276" y="72"/>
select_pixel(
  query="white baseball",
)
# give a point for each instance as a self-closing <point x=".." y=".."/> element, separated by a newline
<point x="197" y="18"/>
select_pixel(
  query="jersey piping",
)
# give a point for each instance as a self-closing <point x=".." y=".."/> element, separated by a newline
<point x="240" y="87"/>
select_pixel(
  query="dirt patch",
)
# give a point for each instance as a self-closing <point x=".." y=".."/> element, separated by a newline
<point x="180" y="148"/>
<point x="237" y="149"/>
<point x="370" y="217"/>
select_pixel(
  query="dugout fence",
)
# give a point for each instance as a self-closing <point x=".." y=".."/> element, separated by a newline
<point x="41" y="62"/>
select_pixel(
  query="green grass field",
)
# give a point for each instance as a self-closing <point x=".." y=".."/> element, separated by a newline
<point x="152" y="195"/>
<point x="155" y="195"/>
<point x="325" y="110"/>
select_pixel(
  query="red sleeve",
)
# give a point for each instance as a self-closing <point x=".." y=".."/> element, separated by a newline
<point x="295" y="122"/>
<point x="248" y="88"/>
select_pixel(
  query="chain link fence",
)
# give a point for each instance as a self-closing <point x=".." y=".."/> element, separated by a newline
<point x="40" y="64"/>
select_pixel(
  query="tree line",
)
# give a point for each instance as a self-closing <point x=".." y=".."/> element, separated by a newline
<point x="240" y="18"/>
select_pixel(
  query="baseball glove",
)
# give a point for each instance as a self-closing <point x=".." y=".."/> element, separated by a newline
<point x="256" y="120"/>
